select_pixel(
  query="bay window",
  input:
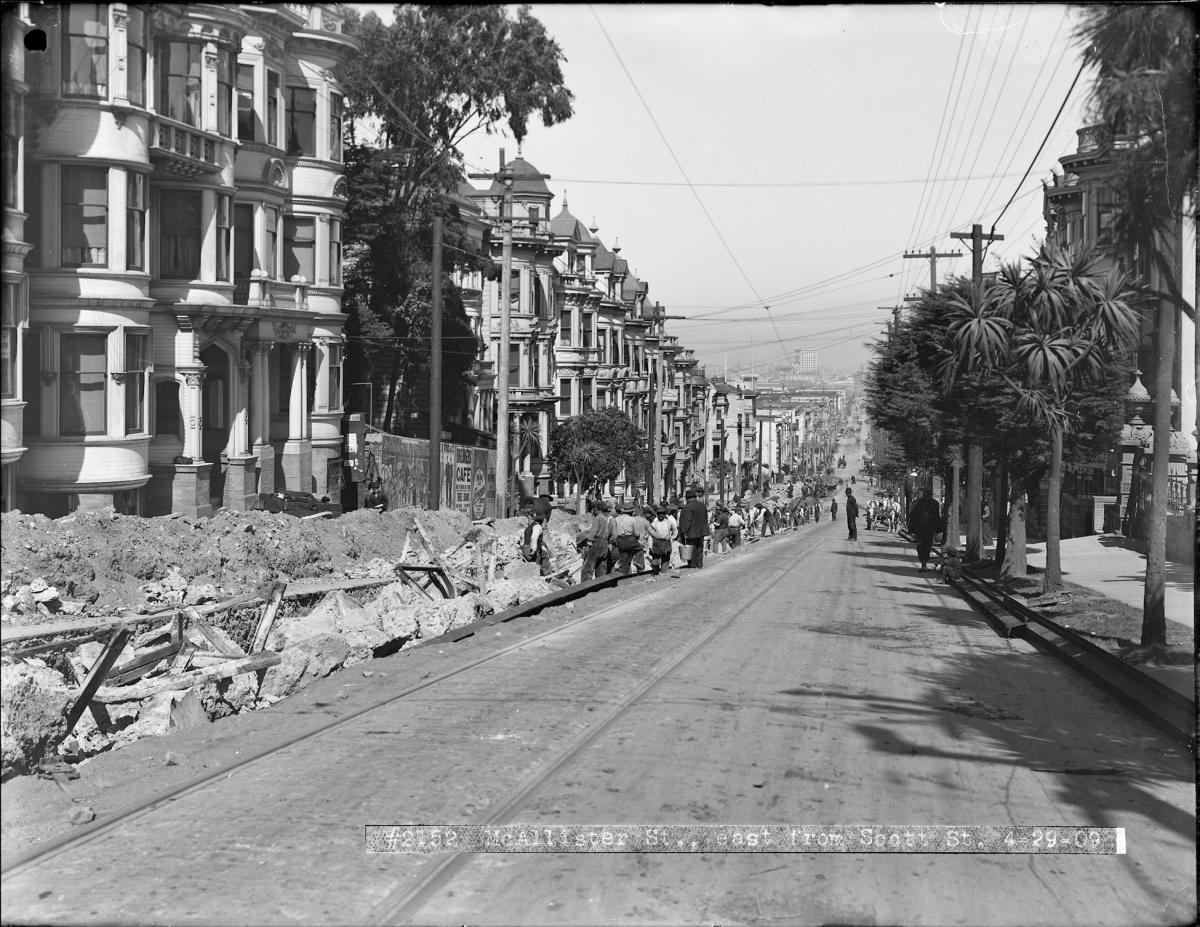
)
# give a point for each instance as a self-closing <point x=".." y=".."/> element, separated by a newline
<point x="335" y="252"/>
<point x="299" y="233"/>
<point x="179" y="81"/>
<point x="302" y="122"/>
<point x="82" y="399"/>
<point x="84" y="216"/>
<point x="8" y="339"/>
<point x="137" y="375"/>
<point x="11" y="146"/>
<point x="180" y="234"/>
<point x="224" y="220"/>
<point x="135" y="221"/>
<point x="136" y="39"/>
<point x="85" y="50"/>
<point x="335" y="127"/>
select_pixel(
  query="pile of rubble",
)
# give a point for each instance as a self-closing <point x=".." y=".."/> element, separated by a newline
<point x="200" y="645"/>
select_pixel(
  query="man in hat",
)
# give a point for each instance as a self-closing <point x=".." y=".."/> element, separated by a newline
<point x="924" y="521"/>
<point x="693" y="528"/>
<point x="720" y="541"/>
<point x="662" y="532"/>
<point x="541" y="514"/>
<point x="851" y="515"/>
<point x="594" y="542"/>
<point x="626" y="536"/>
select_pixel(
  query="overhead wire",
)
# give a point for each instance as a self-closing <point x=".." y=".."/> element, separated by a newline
<point x="683" y="173"/>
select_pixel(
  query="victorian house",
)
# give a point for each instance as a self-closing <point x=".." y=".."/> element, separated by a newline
<point x="176" y="180"/>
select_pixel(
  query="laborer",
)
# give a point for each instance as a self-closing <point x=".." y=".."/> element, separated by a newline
<point x="642" y="520"/>
<point x="594" y="543"/>
<point x="736" y="522"/>
<point x="626" y="536"/>
<point x="851" y="515"/>
<point x="533" y="545"/>
<point x="924" y="521"/>
<point x="662" y="533"/>
<point x="721" y="530"/>
<point x="693" y="528"/>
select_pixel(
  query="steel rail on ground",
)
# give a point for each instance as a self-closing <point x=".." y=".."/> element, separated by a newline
<point x="402" y="908"/>
<point x="66" y="842"/>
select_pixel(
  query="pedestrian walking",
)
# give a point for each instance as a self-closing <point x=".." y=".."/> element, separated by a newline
<point x="642" y="521"/>
<point x="736" y="522"/>
<point x="693" y="528"/>
<point x="720" y="530"/>
<point x="851" y="515"/>
<point x="833" y="507"/>
<point x="626" y="536"/>
<point x="662" y="533"/>
<point x="924" y="521"/>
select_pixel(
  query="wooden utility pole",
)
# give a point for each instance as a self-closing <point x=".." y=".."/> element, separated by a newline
<point x="656" y="370"/>
<point x="435" y="371"/>
<point x="974" y="499"/>
<point x="932" y="257"/>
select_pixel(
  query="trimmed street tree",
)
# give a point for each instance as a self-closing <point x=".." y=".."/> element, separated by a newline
<point x="595" y="447"/>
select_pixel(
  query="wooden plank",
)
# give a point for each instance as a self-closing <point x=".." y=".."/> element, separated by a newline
<point x="402" y="574"/>
<point x="45" y="629"/>
<point x="228" y="668"/>
<point x="79" y="673"/>
<point x="404" y="552"/>
<point x="141" y="664"/>
<point x="263" y="631"/>
<point x="69" y="643"/>
<point x="91" y="685"/>
<point x="435" y="556"/>
<point x="183" y="659"/>
<point x="303" y="588"/>
<point x="218" y="641"/>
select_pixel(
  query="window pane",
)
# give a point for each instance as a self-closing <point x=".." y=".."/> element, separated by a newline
<point x="300" y="242"/>
<point x="224" y="203"/>
<point x="585" y="388"/>
<point x="586" y="330"/>
<point x="335" y="252"/>
<point x="225" y="65"/>
<point x="247" y="122"/>
<point x="564" y="397"/>
<point x="136" y="362"/>
<point x="179" y="239"/>
<point x="273" y="108"/>
<point x="272" y="222"/>
<point x="243" y="241"/>
<point x="335" y="127"/>
<point x="136" y="31"/>
<point x="564" y="327"/>
<point x="84" y="217"/>
<point x="11" y="116"/>
<point x="135" y="221"/>
<point x="8" y="360"/>
<point x="85" y="51"/>
<point x="335" y="376"/>
<point x="31" y="381"/>
<point x="179" y="81"/>
<point x="302" y="122"/>
<point x="82" y="403"/>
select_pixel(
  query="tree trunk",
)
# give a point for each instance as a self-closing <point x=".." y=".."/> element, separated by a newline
<point x="952" y="508"/>
<point x="579" y="506"/>
<point x="974" y="502"/>
<point x="1154" y="614"/>
<point x="1053" y="578"/>
<point x="1015" y="565"/>
<point x="1001" y="523"/>
<point x="394" y="377"/>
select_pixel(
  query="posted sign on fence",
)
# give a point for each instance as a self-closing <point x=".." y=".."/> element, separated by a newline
<point x="402" y="465"/>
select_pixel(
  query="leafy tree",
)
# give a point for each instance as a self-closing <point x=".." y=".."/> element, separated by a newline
<point x="1143" y="99"/>
<point x="595" y="447"/>
<point x="414" y="92"/>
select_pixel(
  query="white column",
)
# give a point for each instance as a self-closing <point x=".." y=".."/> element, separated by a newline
<point x="238" y="443"/>
<point x="260" y="396"/>
<point x="192" y="407"/>
<point x="208" y="244"/>
<point x="298" y="414"/>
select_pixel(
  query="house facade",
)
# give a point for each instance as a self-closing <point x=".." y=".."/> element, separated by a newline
<point x="180" y="194"/>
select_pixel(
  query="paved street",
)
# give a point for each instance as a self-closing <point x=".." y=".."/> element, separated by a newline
<point x="838" y="686"/>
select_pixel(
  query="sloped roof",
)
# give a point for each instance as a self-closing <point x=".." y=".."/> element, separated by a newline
<point x="526" y="179"/>
<point x="604" y="259"/>
<point x="630" y="287"/>
<point x="565" y="225"/>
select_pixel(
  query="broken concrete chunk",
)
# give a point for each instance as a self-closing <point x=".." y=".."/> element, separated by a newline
<point x="34" y="700"/>
<point x="312" y="658"/>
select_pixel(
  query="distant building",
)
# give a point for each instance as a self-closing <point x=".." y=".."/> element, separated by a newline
<point x="805" y="363"/>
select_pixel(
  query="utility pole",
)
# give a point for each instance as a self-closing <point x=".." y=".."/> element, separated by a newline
<point x="505" y="178"/>
<point x="974" y="500"/>
<point x="435" y="371"/>
<point x="655" y="415"/>
<point x="932" y="256"/>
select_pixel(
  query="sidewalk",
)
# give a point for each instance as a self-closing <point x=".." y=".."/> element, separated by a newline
<point x="1103" y="563"/>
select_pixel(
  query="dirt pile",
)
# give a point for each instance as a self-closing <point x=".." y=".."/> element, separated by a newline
<point x="104" y="565"/>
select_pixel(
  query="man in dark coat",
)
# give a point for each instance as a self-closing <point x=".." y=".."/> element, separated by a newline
<point x="924" y="521"/>
<point x="851" y="515"/>
<point x="693" y="528"/>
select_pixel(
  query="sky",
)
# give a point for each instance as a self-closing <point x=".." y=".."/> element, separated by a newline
<point x="764" y="169"/>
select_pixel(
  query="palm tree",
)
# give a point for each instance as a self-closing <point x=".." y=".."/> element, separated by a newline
<point x="1048" y="331"/>
<point x="585" y="459"/>
<point x="1144" y="100"/>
